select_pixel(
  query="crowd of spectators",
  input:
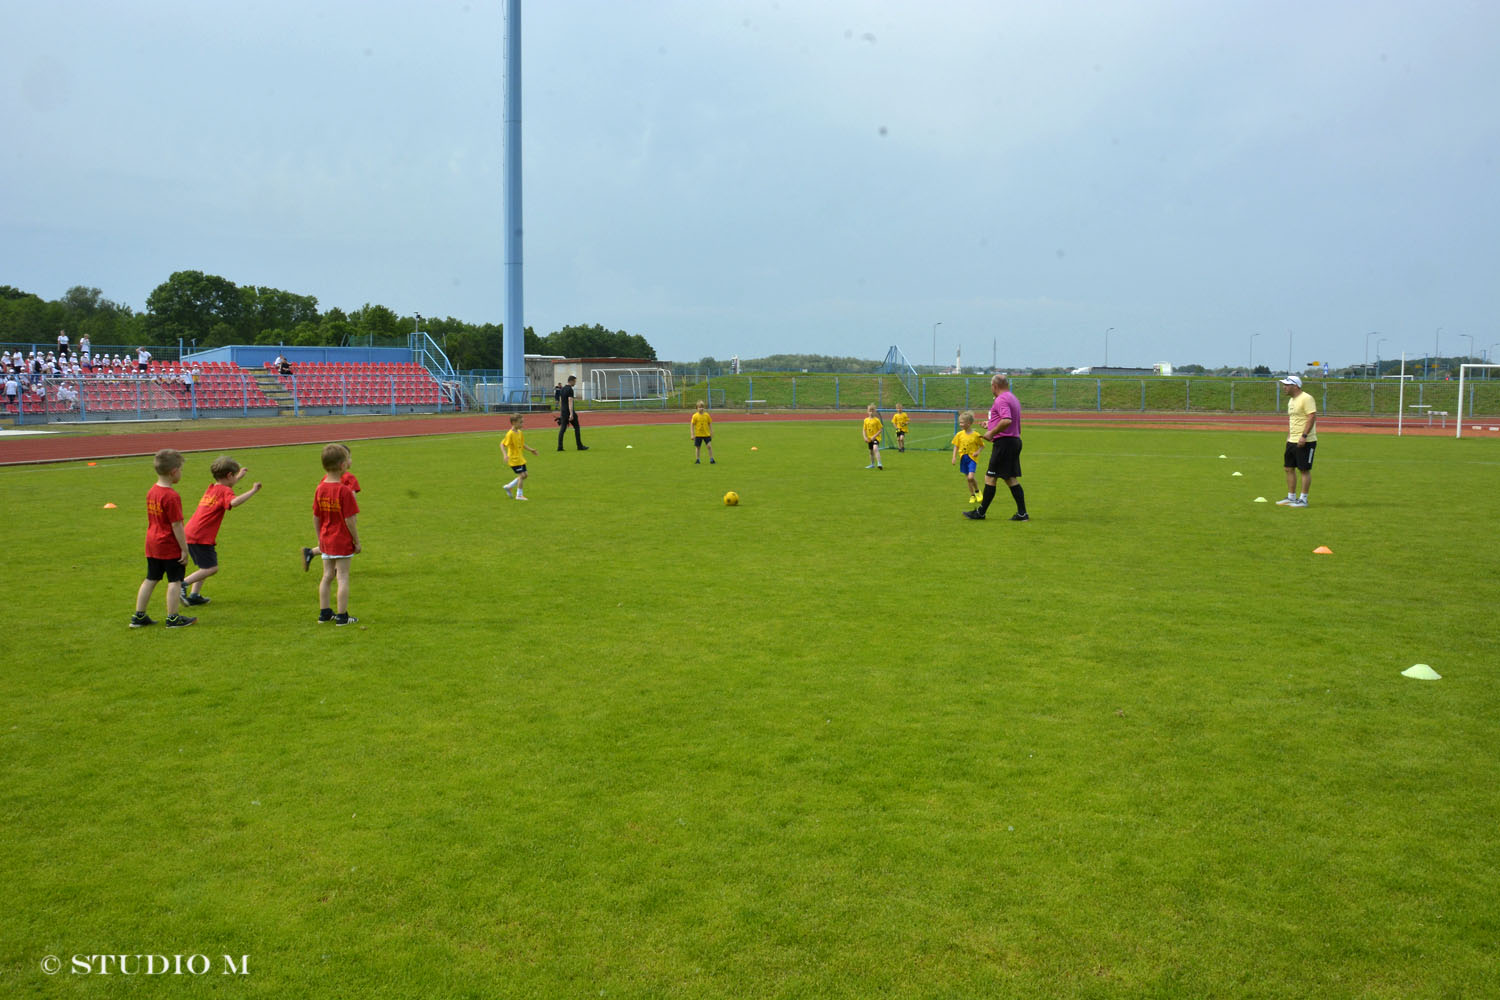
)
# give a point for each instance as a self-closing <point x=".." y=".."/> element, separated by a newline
<point x="26" y="377"/>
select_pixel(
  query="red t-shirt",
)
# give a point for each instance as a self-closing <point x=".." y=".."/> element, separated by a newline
<point x="163" y="509"/>
<point x="333" y="503"/>
<point x="203" y="526"/>
<point x="348" y="480"/>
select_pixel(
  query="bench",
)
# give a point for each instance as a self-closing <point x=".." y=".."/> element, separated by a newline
<point x="750" y="403"/>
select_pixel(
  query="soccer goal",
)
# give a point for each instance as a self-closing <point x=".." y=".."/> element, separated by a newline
<point x="929" y="430"/>
<point x="1463" y="371"/>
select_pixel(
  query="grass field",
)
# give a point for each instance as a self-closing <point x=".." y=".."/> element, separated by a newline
<point x="623" y="741"/>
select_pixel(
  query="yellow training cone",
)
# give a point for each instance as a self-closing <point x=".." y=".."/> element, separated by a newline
<point x="1322" y="550"/>
<point x="1421" y="672"/>
<point x="109" y="506"/>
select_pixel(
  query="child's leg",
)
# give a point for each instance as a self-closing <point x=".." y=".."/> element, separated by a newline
<point x="710" y="452"/>
<point x="341" y="566"/>
<point x="325" y="585"/>
<point x="521" y="483"/>
<point x="174" y="597"/>
<point x="875" y="451"/>
<point x="143" y="596"/>
<point x="193" y="582"/>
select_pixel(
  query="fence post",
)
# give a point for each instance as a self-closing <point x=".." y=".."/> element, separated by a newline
<point x="1098" y="395"/>
<point x="1372" y="398"/>
<point x="794" y="392"/>
<point x="1054" y="393"/>
<point x="1143" y="395"/>
<point x="836" y="392"/>
<point x="1187" y="393"/>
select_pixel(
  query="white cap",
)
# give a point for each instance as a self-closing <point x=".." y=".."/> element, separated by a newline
<point x="1292" y="380"/>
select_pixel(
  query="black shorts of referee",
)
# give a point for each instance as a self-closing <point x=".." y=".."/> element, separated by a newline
<point x="1005" y="459"/>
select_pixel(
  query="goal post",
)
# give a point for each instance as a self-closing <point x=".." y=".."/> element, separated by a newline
<point x="1463" y="371"/>
<point x="929" y="430"/>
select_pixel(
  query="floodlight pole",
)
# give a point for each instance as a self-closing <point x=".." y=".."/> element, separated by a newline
<point x="934" y="343"/>
<point x="1372" y="333"/>
<point x="1106" y="346"/>
<point x="1251" y="371"/>
<point x="513" y="364"/>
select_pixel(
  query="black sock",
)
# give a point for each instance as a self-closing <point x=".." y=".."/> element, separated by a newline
<point x="1020" y="496"/>
<point x="989" y="494"/>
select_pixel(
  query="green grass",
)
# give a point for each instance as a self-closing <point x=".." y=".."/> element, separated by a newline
<point x="835" y="742"/>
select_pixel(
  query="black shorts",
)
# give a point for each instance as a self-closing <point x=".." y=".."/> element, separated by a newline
<point x="872" y="445"/>
<point x="697" y="441"/>
<point x="1005" y="459"/>
<point x="172" y="569"/>
<point x="518" y="469"/>
<point x="203" y="556"/>
<point x="1299" y="456"/>
<point x="900" y="433"/>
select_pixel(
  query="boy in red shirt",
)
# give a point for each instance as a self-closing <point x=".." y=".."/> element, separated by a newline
<point x="203" y="526"/>
<point x="334" y="510"/>
<point x="166" y="546"/>
<point x="348" y="480"/>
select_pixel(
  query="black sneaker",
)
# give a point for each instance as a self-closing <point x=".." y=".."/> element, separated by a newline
<point x="344" y="619"/>
<point x="583" y="447"/>
<point x="306" y="559"/>
<point x="1020" y="517"/>
<point x="195" y="600"/>
<point x="140" y="620"/>
<point x="326" y="615"/>
<point x="178" y="621"/>
<point x="974" y="515"/>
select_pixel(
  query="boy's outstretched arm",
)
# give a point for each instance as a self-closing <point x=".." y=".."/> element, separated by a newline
<point x="245" y="495"/>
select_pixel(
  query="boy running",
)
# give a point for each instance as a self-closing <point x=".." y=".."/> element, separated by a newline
<point x="871" y="430"/>
<point x="514" y="445"/>
<point x="967" y="444"/>
<point x="166" y="547"/>
<point x="203" y="526"/>
<point x="701" y="426"/>
<point x="900" y="420"/>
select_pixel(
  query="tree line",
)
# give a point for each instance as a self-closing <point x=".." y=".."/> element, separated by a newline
<point x="205" y="310"/>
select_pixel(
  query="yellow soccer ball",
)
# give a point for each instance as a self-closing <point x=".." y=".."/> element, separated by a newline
<point x="731" y="499"/>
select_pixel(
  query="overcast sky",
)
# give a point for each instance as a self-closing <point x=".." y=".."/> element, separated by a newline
<point x="758" y="177"/>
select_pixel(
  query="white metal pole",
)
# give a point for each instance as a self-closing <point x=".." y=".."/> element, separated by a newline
<point x="1459" y="413"/>
<point x="1401" y="396"/>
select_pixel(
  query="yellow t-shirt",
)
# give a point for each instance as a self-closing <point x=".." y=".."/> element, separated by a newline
<point x="513" y="444"/>
<point x="968" y="443"/>
<point x="1298" y="410"/>
<point x="872" y="428"/>
<point x="703" y="424"/>
<point x="900" y="421"/>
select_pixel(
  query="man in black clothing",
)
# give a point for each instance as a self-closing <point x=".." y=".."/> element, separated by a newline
<point x="568" y="414"/>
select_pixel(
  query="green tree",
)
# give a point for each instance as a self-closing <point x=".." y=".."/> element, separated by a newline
<point x="191" y="305"/>
<point x="272" y="308"/>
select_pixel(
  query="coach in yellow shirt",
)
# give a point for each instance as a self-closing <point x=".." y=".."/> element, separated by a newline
<point x="1301" y="441"/>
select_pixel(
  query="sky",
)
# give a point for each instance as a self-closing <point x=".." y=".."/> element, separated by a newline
<point x="1036" y="184"/>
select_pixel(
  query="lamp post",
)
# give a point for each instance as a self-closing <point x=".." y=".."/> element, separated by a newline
<point x="1377" y="355"/>
<point x="1251" y="371"/>
<point x="1106" y="346"/>
<point x="1373" y="333"/>
<point x="1289" y="340"/>
<point x="1470" y="355"/>
<point x="934" y="343"/>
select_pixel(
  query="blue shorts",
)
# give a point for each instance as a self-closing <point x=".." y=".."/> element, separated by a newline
<point x="967" y="465"/>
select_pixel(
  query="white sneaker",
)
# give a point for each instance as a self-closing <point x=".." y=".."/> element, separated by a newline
<point x="519" y="497"/>
<point x="508" y="494"/>
<point x="1286" y="502"/>
<point x="1297" y="503"/>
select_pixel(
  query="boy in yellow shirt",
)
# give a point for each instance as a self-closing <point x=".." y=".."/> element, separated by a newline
<point x="900" y="420"/>
<point x="514" y="445"/>
<point x="871" y="430"/>
<point x="968" y="443"/>
<point x="701" y="430"/>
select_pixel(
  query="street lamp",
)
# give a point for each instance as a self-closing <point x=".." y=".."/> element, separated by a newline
<point x="1377" y="355"/>
<point x="1252" y="354"/>
<point x="1373" y="333"/>
<point x="1106" y="346"/>
<point x="1471" y="345"/>
<point x="934" y="343"/>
